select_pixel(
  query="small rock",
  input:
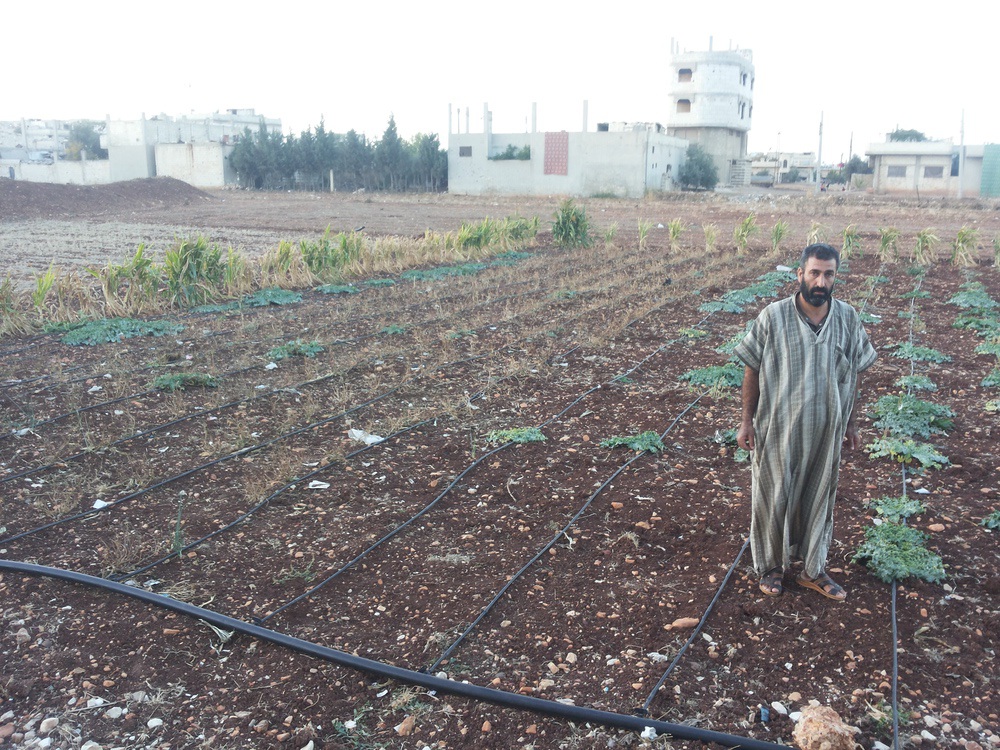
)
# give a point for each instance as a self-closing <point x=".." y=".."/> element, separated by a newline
<point x="876" y="745"/>
<point x="405" y="727"/>
<point x="916" y="740"/>
<point x="95" y="702"/>
<point x="22" y="636"/>
<point x="936" y="527"/>
<point x="115" y="712"/>
<point x="927" y="735"/>
<point x="930" y="720"/>
<point x="795" y="697"/>
<point x="48" y="725"/>
<point x="571" y="658"/>
<point x="90" y="745"/>
<point x="972" y="745"/>
<point x="308" y="746"/>
<point x="821" y="728"/>
<point x="779" y="708"/>
<point x="154" y="723"/>
<point x="682" y="623"/>
<point x="532" y="729"/>
<point x="10" y="715"/>
<point x="6" y="731"/>
<point x="487" y="726"/>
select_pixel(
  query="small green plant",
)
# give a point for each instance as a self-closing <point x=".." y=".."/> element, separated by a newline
<point x="194" y="272"/>
<point x="896" y="508"/>
<point x="306" y="574"/>
<point x="992" y="380"/>
<point x="692" y="333"/>
<point x="393" y="330"/>
<point x="609" y="234"/>
<point x="915" y="294"/>
<point x="108" y="330"/>
<point x="778" y="234"/>
<point x="888" y="244"/>
<point x="992" y="406"/>
<point x="267" y="297"/>
<point x="338" y="289"/>
<point x="43" y="286"/>
<point x="973" y="296"/>
<point x="925" y="248"/>
<point x="297" y="348"/>
<point x="816" y="233"/>
<point x="908" y="416"/>
<point x="992" y="521"/>
<point x="645" y="227"/>
<point x="916" y="383"/>
<point x="892" y="551"/>
<point x="907" y="451"/>
<point x="852" y="242"/>
<point x="744" y="231"/>
<point x="917" y="353"/>
<point x="645" y="441"/>
<point x="180" y="381"/>
<point x="963" y="247"/>
<point x="380" y="283"/>
<point x="711" y="235"/>
<point x="517" y="435"/>
<point x="570" y="228"/>
<point x="675" y="227"/>
<point x="729" y="375"/>
<point x="177" y="544"/>
<point x="622" y="380"/>
<point x="460" y="333"/>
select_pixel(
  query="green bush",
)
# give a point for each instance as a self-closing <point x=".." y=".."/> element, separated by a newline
<point x="180" y="381"/>
<point x="896" y="552"/>
<point x="570" y="228"/>
<point x="518" y="435"/>
<point x="908" y="416"/>
<point x="194" y="272"/>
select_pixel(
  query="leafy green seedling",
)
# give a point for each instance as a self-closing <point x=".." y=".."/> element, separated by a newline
<point x="644" y="441"/>
<point x="297" y="348"/>
<point x="180" y="381"/>
<point x="907" y="452"/>
<point x="518" y="435"/>
<point x="895" y="552"/>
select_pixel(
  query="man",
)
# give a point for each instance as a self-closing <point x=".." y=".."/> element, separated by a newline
<point x="803" y="358"/>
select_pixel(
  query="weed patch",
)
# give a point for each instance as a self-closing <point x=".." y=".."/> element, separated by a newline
<point x="108" y="330"/>
<point x="181" y="381"/>
<point x="297" y="348"/>
<point x="518" y="435"/>
<point x="892" y="551"/>
<point x="645" y="441"/>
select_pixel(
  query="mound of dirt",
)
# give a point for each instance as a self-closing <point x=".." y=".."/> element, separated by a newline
<point x="42" y="200"/>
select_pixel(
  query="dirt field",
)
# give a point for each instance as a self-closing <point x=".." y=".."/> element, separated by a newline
<point x="560" y="570"/>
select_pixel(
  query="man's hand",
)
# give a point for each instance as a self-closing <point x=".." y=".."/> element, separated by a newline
<point x="851" y="438"/>
<point x="745" y="436"/>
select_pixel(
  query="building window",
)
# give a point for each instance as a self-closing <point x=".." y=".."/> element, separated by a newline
<point x="934" y="172"/>
<point x="684" y="75"/>
<point x="895" y="171"/>
<point x="683" y="105"/>
<point x="743" y="79"/>
<point x="465" y="150"/>
<point x="954" y="165"/>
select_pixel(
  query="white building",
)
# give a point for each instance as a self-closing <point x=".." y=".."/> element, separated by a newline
<point x="710" y="100"/>
<point x="930" y="168"/>
<point x="619" y="159"/>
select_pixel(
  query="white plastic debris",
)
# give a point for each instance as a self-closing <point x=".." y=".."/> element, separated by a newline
<point x="350" y="724"/>
<point x="271" y="366"/>
<point x="921" y="491"/>
<point x="364" y="437"/>
<point x="317" y="485"/>
<point x="648" y="733"/>
<point x="782" y="268"/>
<point x="154" y="723"/>
<point x="95" y="389"/>
<point x="98" y="504"/>
<point x="779" y="707"/>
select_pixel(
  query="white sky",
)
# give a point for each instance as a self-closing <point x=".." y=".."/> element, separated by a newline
<point x="867" y="66"/>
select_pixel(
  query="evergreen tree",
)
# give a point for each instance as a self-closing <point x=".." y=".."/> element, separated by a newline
<point x="698" y="170"/>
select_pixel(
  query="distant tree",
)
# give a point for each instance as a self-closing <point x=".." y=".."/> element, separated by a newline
<point x="430" y="162"/>
<point x="391" y="158"/>
<point x="356" y="162"/>
<point x="856" y="165"/>
<point x="792" y="175"/>
<point x="83" y="136"/>
<point x="698" y="171"/>
<point x="906" y="135"/>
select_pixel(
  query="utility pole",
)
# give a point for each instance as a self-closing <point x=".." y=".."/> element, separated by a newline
<point x="819" y="156"/>
<point x="961" y="156"/>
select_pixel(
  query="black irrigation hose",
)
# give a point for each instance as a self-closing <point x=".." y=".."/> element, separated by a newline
<point x="243" y="517"/>
<point x="502" y="698"/>
<point x="694" y="633"/>
<point x="558" y="535"/>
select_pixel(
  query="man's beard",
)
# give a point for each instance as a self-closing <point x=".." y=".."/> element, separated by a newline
<point x="816" y="296"/>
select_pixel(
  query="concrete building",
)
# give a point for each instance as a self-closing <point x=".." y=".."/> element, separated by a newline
<point x="932" y="168"/>
<point x="774" y="167"/>
<point x="710" y="102"/>
<point x="192" y="148"/>
<point x="619" y="159"/>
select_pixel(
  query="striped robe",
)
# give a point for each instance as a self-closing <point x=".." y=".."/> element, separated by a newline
<point x="808" y="383"/>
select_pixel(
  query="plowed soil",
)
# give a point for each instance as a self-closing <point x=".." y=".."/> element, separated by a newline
<point x="587" y="344"/>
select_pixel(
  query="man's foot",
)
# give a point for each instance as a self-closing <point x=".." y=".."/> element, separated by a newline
<point x="824" y="585"/>
<point x="770" y="582"/>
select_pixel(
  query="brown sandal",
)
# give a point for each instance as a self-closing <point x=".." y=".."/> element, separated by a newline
<point x="824" y="585"/>
<point x="770" y="582"/>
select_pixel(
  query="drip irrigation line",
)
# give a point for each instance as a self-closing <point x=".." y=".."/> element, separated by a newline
<point x="243" y="517"/>
<point x="189" y="472"/>
<point x="579" y="714"/>
<point x="398" y="529"/>
<point x="694" y="633"/>
<point x="205" y="413"/>
<point x="558" y="535"/>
